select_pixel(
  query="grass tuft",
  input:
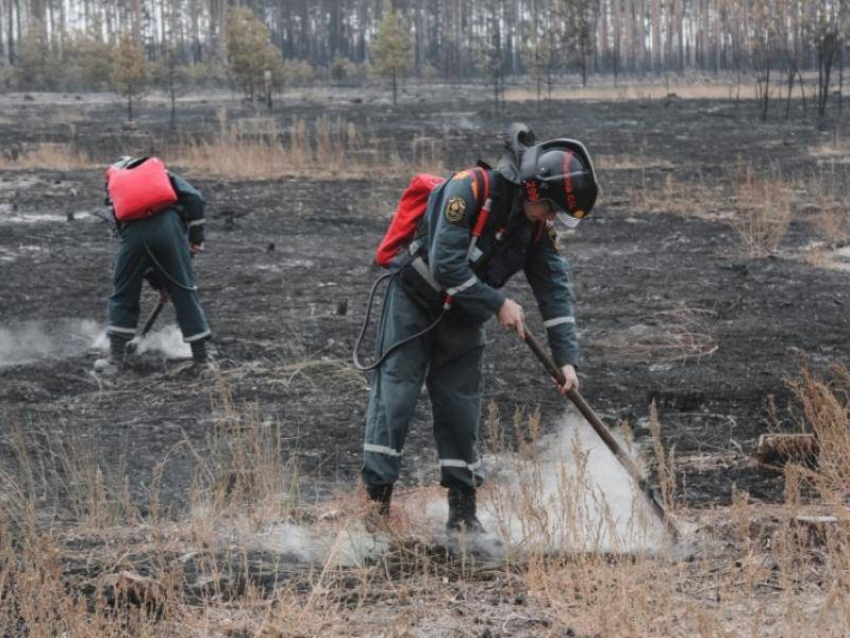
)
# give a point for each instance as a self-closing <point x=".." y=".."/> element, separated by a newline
<point x="763" y="211"/>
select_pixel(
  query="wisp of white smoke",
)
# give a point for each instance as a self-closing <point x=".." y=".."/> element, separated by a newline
<point x="31" y="341"/>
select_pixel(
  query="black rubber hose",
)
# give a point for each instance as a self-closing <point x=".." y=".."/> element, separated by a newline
<point x="355" y="356"/>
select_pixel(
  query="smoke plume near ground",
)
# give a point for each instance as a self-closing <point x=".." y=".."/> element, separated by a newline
<point x="31" y="341"/>
<point x="168" y="342"/>
<point x="568" y="494"/>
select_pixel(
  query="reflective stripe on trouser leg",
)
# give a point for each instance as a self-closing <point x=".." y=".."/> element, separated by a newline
<point x="455" y="386"/>
<point x="395" y="386"/>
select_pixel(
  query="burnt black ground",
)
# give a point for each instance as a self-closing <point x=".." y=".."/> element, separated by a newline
<point x="275" y="309"/>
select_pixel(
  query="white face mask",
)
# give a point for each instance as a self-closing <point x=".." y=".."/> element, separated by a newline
<point x="568" y="220"/>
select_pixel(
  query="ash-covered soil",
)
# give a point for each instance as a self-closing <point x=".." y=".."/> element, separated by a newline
<point x="288" y="267"/>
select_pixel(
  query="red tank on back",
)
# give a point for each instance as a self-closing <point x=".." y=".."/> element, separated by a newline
<point x="411" y="208"/>
<point x="141" y="190"/>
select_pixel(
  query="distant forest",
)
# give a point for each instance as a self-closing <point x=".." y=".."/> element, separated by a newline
<point x="54" y="43"/>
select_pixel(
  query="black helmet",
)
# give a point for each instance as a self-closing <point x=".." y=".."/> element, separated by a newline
<point x="560" y="172"/>
<point x="125" y="161"/>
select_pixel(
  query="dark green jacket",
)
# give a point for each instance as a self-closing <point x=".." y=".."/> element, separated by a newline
<point x="192" y="203"/>
<point x="528" y="246"/>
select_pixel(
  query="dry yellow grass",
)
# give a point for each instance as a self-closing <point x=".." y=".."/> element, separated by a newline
<point x="752" y="569"/>
<point x="670" y="335"/>
<point x="45" y="155"/>
<point x="685" y="90"/>
<point x="764" y="207"/>
<point x="259" y="149"/>
<point x="631" y="162"/>
<point x="685" y="198"/>
<point x="835" y="151"/>
<point x="827" y="194"/>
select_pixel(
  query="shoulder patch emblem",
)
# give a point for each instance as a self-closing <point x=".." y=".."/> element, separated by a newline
<point x="455" y="209"/>
<point x="553" y="237"/>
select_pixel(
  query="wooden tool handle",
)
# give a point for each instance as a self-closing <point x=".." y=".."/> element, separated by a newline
<point x="602" y="430"/>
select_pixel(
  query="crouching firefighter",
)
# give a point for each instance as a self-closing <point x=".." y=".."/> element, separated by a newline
<point x="447" y="266"/>
<point x="159" y="217"/>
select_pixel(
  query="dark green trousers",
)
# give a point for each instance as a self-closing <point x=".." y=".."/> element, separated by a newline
<point x="449" y="361"/>
<point x="159" y="242"/>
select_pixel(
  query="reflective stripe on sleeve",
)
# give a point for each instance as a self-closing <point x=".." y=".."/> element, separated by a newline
<point x="557" y="321"/>
<point x="197" y="222"/>
<point x="380" y="449"/>
<point x="469" y="283"/>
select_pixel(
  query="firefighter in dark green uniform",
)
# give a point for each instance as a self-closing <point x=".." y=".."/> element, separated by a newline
<point x="158" y="248"/>
<point x="528" y="191"/>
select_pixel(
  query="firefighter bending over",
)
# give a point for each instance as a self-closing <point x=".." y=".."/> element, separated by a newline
<point x="455" y="267"/>
<point x="160" y="219"/>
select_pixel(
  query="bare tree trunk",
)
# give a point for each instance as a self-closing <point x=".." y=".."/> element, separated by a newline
<point x="195" y="26"/>
<point x="738" y="92"/>
<point x="640" y="36"/>
<point x="656" y="35"/>
<point x="618" y="34"/>
<point x="826" y="49"/>
<point x="766" y="97"/>
<point x="604" y="29"/>
<point x="395" y="90"/>
<point x="137" y="22"/>
<point x="705" y="31"/>
<point x="628" y="34"/>
<point x="173" y="94"/>
<point x="792" y="73"/>
<point x="63" y="24"/>
<point x="216" y="26"/>
<point x="746" y="37"/>
<point x="840" y="75"/>
<point x="584" y="65"/>
<point x="37" y="12"/>
<point x="10" y="31"/>
<point x="19" y="29"/>
<point x="717" y="38"/>
<point x="680" y="30"/>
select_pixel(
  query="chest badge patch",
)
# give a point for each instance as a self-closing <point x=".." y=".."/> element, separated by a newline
<point x="455" y="209"/>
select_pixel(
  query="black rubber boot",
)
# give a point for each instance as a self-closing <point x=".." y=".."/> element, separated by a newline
<point x="203" y="357"/>
<point x="462" y="511"/>
<point x="379" y="499"/>
<point x="113" y="363"/>
<point x="380" y="495"/>
<point x="200" y="352"/>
